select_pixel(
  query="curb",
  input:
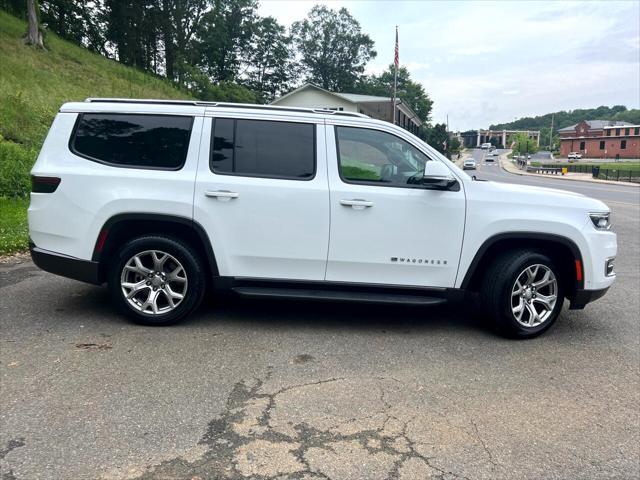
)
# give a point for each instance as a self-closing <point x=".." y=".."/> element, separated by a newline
<point x="601" y="182"/>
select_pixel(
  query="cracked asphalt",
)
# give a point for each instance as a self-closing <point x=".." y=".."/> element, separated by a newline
<point x="302" y="390"/>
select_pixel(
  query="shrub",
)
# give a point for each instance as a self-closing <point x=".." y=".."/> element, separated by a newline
<point x="15" y="163"/>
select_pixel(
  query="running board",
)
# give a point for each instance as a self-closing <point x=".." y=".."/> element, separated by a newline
<point x="338" y="295"/>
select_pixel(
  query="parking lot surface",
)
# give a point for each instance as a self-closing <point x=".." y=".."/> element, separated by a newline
<point x="303" y="390"/>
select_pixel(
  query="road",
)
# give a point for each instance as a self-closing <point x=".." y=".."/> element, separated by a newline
<point x="302" y="390"/>
<point x="626" y="194"/>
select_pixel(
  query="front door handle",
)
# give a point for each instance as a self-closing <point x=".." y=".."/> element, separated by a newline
<point x="223" y="195"/>
<point x="356" y="203"/>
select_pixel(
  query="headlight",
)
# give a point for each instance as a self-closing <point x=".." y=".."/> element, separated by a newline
<point x="602" y="221"/>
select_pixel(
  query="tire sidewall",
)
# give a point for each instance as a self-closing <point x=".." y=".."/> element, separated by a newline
<point x="183" y="253"/>
<point x="511" y="274"/>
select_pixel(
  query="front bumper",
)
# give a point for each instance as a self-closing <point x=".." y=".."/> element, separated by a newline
<point x="66" y="266"/>
<point x="582" y="297"/>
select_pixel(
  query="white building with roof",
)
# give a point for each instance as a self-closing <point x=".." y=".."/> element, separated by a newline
<point x="313" y="96"/>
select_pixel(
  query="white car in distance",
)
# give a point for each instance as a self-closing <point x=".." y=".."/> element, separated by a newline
<point x="469" y="164"/>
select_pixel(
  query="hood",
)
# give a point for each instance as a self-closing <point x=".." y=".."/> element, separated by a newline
<point x="543" y="196"/>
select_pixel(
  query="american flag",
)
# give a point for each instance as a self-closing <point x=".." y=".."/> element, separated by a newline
<point x="396" y="58"/>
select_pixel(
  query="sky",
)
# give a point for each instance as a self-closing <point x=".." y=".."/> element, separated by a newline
<point x="485" y="63"/>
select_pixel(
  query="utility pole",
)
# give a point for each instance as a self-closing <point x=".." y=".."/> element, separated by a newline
<point x="448" y="140"/>
<point x="551" y="134"/>
<point x="396" y="63"/>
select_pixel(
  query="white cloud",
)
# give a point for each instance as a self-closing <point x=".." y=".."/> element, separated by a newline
<point x="488" y="62"/>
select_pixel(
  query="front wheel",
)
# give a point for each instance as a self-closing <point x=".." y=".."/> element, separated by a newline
<point x="156" y="280"/>
<point x="522" y="293"/>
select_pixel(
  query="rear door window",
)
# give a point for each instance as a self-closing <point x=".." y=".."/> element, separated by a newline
<point x="263" y="148"/>
<point x="133" y="140"/>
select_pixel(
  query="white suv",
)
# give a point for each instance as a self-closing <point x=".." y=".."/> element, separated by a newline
<point x="161" y="199"/>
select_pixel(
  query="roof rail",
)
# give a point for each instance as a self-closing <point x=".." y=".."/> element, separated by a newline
<point x="201" y="103"/>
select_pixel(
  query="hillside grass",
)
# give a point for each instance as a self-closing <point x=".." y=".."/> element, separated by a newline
<point x="33" y="85"/>
<point x="14" y="234"/>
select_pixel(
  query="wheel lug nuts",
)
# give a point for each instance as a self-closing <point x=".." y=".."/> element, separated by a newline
<point x="148" y="283"/>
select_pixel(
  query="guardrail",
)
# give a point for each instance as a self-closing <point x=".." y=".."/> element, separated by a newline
<point x="617" y="174"/>
<point x="546" y="170"/>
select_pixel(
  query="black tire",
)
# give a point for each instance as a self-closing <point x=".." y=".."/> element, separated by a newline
<point x="188" y="259"/>
<point x="497" y="287"/>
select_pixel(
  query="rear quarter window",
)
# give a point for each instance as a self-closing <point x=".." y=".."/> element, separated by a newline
<point x="133" y="140"/>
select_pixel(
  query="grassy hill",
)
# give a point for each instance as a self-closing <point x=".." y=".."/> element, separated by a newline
<point x="33" y="85"/>
<point x="565" y="119"/>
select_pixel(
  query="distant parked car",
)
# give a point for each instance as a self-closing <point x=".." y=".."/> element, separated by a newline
<point x="485" y="146"/>
<point x="469" y="164"/>
<point x="574" y="156"/>
<point x="492" y="153"/>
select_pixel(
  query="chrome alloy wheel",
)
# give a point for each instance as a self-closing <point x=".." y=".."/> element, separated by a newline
<point x="153" y="282"/>
<point x="534" y="295"/>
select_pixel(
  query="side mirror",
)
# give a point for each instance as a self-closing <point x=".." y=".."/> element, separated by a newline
<point x="437" y="176"/>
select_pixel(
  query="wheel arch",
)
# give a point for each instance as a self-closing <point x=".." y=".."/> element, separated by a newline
<point x="562" y="250"/>
<point x="125" y="226"/>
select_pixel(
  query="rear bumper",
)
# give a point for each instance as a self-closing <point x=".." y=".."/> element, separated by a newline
<point x="64" y="265"/>
<point x="583" y="297"/>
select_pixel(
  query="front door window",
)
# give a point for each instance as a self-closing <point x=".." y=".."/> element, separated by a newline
<point x="378" y="158"/>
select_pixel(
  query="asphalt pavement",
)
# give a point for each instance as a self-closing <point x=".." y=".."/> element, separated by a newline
<point x="303" y="390"/>
<point x="608" y="193"/>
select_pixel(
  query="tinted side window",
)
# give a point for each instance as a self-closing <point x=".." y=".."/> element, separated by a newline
<point x="143" y="141"/>
<point x="261" y="148"/>
<point x="375" y="157"/>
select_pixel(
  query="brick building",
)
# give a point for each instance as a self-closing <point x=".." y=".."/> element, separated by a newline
<point x="601" y="139"/>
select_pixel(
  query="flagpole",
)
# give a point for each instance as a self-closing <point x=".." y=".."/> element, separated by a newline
<point x="395" y="77"/>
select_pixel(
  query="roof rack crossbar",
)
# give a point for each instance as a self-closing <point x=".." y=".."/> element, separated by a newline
<point x="201" y="103"/>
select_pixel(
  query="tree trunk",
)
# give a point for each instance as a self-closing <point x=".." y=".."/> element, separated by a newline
<point x="34" y="36"/>
<point x="167" y="36"/>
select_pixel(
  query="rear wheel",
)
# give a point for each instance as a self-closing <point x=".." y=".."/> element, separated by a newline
<point x="157" y="280"/>
<point x="522" y="293"/>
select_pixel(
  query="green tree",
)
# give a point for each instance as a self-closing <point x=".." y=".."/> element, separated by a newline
<point x="437" y="136"/>
<point x="411" y="93"/>
<point x="524" y="145"/>
<point x="15" y="7"/>
<point x="179" y="22"/>
<point x="269" y="70"/>
<point x="333" y="50"/>
<point x="224" y="38"/>
<point x="631" y="116"/>
<point x="133" y="28"/>
<point x="564" y="119"/>
<point x="454" y="145"/>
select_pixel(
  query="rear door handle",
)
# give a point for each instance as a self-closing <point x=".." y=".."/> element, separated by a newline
<point x="357" y="203"/>
<point x="223" y="195"/>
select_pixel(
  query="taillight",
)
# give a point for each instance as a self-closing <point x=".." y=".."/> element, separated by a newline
<point x="44" y="184"/>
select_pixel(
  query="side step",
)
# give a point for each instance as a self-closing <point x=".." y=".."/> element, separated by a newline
<point x="338" y="295"/>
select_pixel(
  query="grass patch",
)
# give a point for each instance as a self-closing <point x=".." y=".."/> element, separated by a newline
<point x="33" y="85"/>
<point x="613" y="166"/>
<point x="14" y="232"/>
